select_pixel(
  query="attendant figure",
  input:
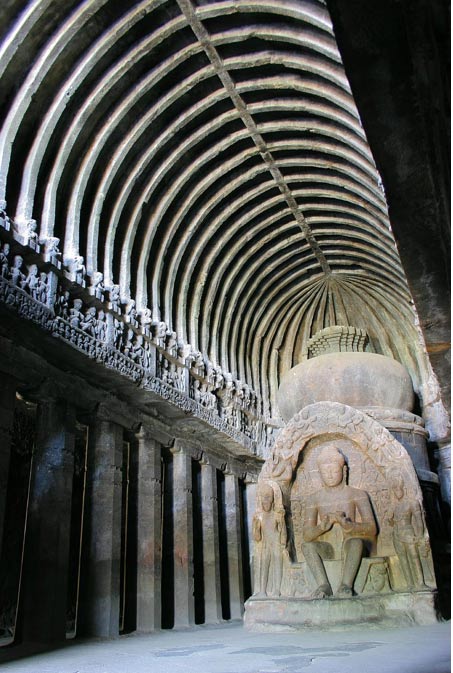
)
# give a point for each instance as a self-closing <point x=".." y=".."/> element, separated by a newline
<point x="270" y="536"/>
<point x="408" y="535"/>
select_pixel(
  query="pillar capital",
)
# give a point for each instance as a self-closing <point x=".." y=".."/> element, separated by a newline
<point x="49" y="391"/>
<point x="176" y="449"/>
<point x="231" y="469"/>
<point x="250" y="478"/>
<point x="145" y="433"/>
<point x="192" y="449"/>
<point x="116" y="412"/>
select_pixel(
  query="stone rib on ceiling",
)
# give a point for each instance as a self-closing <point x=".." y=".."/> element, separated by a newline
<point x="210" y="159"/>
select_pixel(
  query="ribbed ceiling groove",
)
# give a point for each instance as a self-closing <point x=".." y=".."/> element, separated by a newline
<point x="210" y="159"/>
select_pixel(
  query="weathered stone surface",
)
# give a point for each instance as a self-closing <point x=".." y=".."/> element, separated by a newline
<point x="287" y="614"/>
<point x="211" y="550"/>
<point x="100" y="587"/>
<point x="356" y="379"/>
<point x="182" y="223"/>
<point x="395" y="55"/>
<point x="183" y="539"/>
<point x="233" y="525"/>
<point x="149" y="533"/>
<point x="7" y="399"/>
<point x="46" y="558"/>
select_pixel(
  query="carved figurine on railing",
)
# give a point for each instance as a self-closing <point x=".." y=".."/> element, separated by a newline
<point x="146" y="321"/>
<point x="4" y="260"/>
<point x="62" y="305"/>
<point x="246" y="397"/>
<point x="101" y="327"/>
<point x="184" y="353"/>
<point x="159" y="333"/>
<point x="51" y="251"/>
<point x="31" y="234"/>
<point x="195" y="390"/>
<point x="97" y="288"/>
<point x="114" y="296"/>
<point x="210" y="373"/>
<point x="208" y="399"/>
<point x="197" y="362"/>
<point x="88" y="322"/>
<point x="167" y="372"/>
<point x="131" y="312"/>
<point x="5" y="222"/>
<point x="75" y="314"/>
<point x="336" y="504"/>
<point x="118" y="332"/>
<point x="16" y="275"/>
<point x="127" y="346"/>
<point x="180" y="379"/>
<point x="77" y="269"/>
<point x="218" y="378"/>
<point x="43" y="288"/>
<point x="31" y="282"/>
<point x="138" y="353"/>
<point x="239" y="394"/>
<point x="171" y="343"/>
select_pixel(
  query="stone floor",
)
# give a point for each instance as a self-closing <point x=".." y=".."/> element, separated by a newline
<point x="229" y="648"/>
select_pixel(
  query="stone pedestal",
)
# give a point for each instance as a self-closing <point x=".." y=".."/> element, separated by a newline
<point x="233" y="525"/>
<point x="211" y="563"/>
<point x="149" y="534"/>
<point x="183" y="539"/>
<point x="7" y="400"/>
<point x="100" y="575"/>
<point x="386" y="610"/>
<point x="45" y="586"/>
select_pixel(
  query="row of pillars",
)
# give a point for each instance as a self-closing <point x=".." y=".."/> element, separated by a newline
<point x="45" y="575"/>
<point x="183" y="537"/>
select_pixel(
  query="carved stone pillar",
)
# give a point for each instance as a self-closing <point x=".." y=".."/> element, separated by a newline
<point x="100" y="575"/>
<point x="250" y="495"/>
<point x="183" y="538"/>
<point x="45" y="585"/>
<point x="233" y="525"/>
<point x="211" y="561"/>
<point x="443" y="458"/>
<point x="149" y="546"/>
<point x="7" y="401"/>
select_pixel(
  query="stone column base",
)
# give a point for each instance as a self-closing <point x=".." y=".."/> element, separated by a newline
<point x="292" y="614"/>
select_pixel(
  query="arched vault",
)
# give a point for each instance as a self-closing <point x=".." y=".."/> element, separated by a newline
<point x="209" y="158"/>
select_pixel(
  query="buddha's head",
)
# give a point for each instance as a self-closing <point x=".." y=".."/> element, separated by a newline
<point x="331" y="464"/>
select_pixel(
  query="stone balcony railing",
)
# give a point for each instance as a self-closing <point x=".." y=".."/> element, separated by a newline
<point x="37" y="287"/>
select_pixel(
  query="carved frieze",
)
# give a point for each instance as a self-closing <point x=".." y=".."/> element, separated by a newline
<point x="93" y="322"/>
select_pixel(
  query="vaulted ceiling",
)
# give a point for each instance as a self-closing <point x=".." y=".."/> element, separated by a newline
<point x="209" y="158"/>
